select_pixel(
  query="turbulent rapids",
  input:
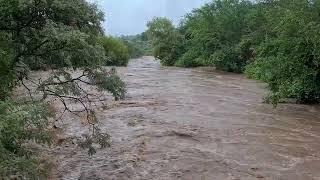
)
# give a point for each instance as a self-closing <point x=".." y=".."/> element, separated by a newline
<point x="196" y="124"/>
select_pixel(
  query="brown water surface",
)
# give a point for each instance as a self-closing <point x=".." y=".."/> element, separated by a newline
<point x="197" y="124"/>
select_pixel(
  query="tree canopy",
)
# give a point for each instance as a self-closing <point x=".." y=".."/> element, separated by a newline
<point x="116" y="51"/>
<point x="165" y="40"/>
<point x="57" y="35"/>
<point x="275" y="41"/>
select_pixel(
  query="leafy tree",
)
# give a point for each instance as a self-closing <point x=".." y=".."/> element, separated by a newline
<point x="288" y="60"/>
<point x="213" y="32"/>
<point x="116" y="51"/>
<point x="165" y="39"/>
<point x="275" y="41"/>
<point x="62" y="36"/>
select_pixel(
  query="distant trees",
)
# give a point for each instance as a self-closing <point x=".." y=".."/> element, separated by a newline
<point x="275" y="41"/>
<point x="60" y="36"/>
<point x="118" y="51"/>
<point x="138" y="45"/>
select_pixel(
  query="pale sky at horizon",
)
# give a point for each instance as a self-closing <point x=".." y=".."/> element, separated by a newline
<point x="129" y="17"/>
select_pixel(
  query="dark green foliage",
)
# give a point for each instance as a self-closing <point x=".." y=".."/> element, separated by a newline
<point x="166" y="41"/>
<point x="116" y="51"/>
<point x="189" y="60"/>
<point x="203" y="35"/>
<point x="276" y="41"/>
<point x="6" y="73"/>
<point x="47" y="34"/>
<point x="51" y="33"/>
<point x="214" y="31"/>
<point x="289" y="59"/>
<point x="18" y="125"/>
<point x="229" y="60"/>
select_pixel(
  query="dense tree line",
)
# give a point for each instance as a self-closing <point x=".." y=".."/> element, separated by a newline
<point x="118" y="50"/>
<point x="60" y="36"/>
<point x="276" y="41"/>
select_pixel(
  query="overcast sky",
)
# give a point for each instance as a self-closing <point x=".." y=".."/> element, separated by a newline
<point x="129" y="17"/>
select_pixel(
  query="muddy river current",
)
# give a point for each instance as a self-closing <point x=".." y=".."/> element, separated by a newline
<point x="196" y="124"/>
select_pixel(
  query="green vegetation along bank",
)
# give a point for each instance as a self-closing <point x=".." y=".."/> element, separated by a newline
<point x="119" y="50"/>
<point x="60" y="36"/>
<point x="276" y="41"/>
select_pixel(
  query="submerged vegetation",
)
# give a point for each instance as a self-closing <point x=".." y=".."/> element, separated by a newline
<point x="276" y="41"/>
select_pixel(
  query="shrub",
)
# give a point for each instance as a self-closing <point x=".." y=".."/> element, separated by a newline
<point x="116" y="51"/>
<point x="20" y="124"/>
<point x="189" y="59"/>
<point x="228" y="60"/>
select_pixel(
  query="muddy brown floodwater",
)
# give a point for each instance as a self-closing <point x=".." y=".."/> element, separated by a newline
<point x="196" y="124"/>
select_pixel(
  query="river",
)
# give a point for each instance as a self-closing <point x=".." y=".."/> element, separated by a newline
<point x="197" y="124"/>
